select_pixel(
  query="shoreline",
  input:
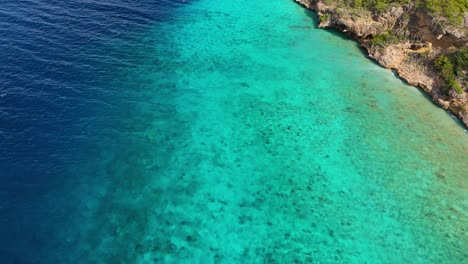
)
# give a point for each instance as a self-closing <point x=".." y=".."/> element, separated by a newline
<point x="395" y="57"/>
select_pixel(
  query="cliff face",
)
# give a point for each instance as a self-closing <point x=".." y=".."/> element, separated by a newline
<point x="416" y="39"/>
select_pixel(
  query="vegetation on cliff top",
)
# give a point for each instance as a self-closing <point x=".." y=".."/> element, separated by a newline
<point x="453" y="66"/>
<point x="381" y="40"/>
<point x="452" y="10"/>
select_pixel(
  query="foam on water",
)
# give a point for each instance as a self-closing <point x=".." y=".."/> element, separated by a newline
<point x="244" y="134"/>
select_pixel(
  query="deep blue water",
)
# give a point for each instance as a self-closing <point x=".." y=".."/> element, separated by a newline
<point x="59" y="92"/>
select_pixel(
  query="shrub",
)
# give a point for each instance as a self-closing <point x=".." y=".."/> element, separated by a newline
<point x="325" y="17"/>
<point x="384" y="39"/>
<point x="447" y="70"/>
<point x="455" y="86"/>
<point x="445" y="66"/>
<point x="453" y="10"/>
<point x="460" y="58"/>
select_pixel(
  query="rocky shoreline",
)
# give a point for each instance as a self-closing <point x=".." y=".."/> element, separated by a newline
<point x="411" y="58"/>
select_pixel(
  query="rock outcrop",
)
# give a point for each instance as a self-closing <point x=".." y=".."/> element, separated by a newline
<point x="412" y="57"/>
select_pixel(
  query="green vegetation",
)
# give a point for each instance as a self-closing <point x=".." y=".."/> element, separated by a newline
<point x="460" y="58"/>
<point x="378" y="5"/>
<point x="325" y="17"/>
<point x="380" y="40"/>
<point x="451" y="9"/>
<point x="452" y="66"/>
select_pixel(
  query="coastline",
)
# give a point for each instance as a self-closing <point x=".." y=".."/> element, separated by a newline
<point x="405" y="58"/>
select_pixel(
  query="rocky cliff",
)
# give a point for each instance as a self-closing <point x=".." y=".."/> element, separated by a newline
<point x="407" y="39"/>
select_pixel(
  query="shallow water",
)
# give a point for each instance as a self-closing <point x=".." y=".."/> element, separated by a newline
<point x="232" y="132"/>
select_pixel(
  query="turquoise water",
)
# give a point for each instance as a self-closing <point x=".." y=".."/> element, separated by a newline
<point x="247" y="135"/>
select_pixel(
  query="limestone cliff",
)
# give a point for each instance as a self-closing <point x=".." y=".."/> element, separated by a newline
<point x="407" y="39"/>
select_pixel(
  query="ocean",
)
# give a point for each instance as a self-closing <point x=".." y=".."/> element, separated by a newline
<point x="215" y="132"/>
